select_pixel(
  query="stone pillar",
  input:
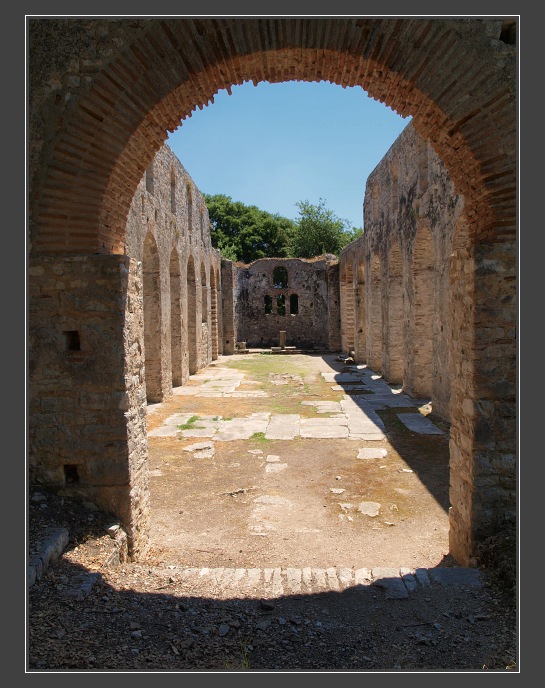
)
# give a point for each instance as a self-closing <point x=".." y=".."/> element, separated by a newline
<point x="334" y="308"/>
<point x="87" y="403"/>
<point x="282" y="339"/>
<point x="228" y="307"/>
<point x="483" y="400"/>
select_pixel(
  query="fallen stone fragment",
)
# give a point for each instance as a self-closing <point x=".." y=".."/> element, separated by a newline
<point x="369" y="508"/>
<point x="276" y="467"/>
<point x="204" y="454"/>
<point x="267" y="604"/>
<point x="371" y="453"/>
<point x="199" y="446"/>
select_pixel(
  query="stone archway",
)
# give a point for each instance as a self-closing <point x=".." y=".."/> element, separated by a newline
<point x="99" y="119"/>
<point x="361" y="318"/>
<point x="348" y="308"/>
<point x="394" y="364"/>
<point x="152" y="320"/>
<point x="214" y="318"/>
<point x="374" y="340"/>
<point x="192" y="316"/>
<point x="176" y="319"/>
<point x="419" y="381"/>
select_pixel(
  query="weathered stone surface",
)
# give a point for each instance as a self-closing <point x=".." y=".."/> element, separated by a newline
<point x="419" y="423"/>
<point x="446" y="242"/>
<point x="370" y="453"/>
<point x="298" y="304"/>
<point x="369" y="508"/>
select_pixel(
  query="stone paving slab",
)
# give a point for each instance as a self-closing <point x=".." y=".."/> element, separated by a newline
<point x="398" y="583"/>
<point x="198" y="432"/>
<point x="371" y="453"/>
<point x="324" y="406"/>
<point x="178" y="419"/>
<point x="326" y="432"/>
<point x="284" y="425"/>
<point x="49" y="550"/>
<point x="199" y="446"/>
<point x="322" y="422"/>
<point x="367" y="437"/>
<point x="275" y="467"/>
<point x="185" y="391"/>
<point x="456" y="575"/>
<point x="164" y="431"/>
<point x="382" y="401"/>
<point x="419" y="423"/>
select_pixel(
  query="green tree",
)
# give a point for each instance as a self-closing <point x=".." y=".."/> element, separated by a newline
<point x="244" y="232"/>
<point x="319" y="231"/>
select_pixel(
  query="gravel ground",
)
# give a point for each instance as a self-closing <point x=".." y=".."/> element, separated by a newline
<point x="86" y="615"/>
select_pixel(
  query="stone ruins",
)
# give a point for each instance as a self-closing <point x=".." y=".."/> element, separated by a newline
<point x="128" y="298"/>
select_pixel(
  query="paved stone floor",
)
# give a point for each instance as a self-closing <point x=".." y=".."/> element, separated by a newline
<point x="373" y="517"/>
<point x="352" y="418"/>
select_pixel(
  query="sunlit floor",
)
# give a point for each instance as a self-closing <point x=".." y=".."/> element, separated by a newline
<point x="263" y="462"/>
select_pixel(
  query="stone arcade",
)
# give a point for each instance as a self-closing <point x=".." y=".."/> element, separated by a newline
<point x="123" y="279"/>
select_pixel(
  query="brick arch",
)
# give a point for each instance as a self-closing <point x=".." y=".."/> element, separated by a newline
<point x="104" y="92"/>
<point x="424" y="67"/>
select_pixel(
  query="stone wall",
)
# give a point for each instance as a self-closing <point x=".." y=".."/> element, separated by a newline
<point x="87" y="403"/>
<point x="435" y="312"/>
<point x="229" y="305"/>
<point x="105" y="92"/>
<point x="168" y="233"/>
<point x="287" y="294"/>
<point x="110" y="333"/>
<point x="413" y="221"/>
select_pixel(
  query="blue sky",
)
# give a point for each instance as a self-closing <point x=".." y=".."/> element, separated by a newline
<point x="272" y="145"/>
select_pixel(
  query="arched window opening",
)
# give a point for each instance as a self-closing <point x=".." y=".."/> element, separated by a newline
<point x="280" y="277"/>
<point x="281" y="304"/>
<point x="268" y="305"/>
<point x="294" y="304"/>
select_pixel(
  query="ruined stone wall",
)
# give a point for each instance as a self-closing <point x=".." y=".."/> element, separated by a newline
<point x="126" y="329"/>
<point x="104" y="92"/>
<point x="168" y="233"/>
<point x="334" y="306"/>
<point x="289" y="294"/>
<point x="412" y="214"/>
<point x="229" y="296"/>
<point x="87" y="402"/>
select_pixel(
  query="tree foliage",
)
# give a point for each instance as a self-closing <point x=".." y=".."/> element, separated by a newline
<point x="319" y="231"/>
<point x="244" y="232"/>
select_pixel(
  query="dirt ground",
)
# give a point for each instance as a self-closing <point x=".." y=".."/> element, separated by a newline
<point x="204" y="511"/>
<point x="231" y="510"/>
